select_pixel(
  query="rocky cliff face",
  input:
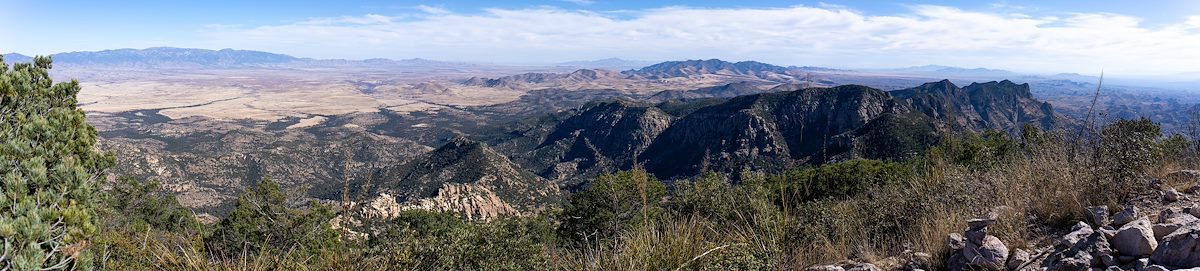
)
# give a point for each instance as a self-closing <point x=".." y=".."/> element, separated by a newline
<point x="767" y="131"/>
<point x="467" y="177"/>
<point x="770" y="130"/>
<point x="602" y="137"/>
<point x="1003" y="105"/>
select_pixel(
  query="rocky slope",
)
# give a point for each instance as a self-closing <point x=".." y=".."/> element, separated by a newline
<point x="602" y="137"/>
<point x="1159" y="231"/>
<point x="467" y="177"/>
<point x="1162" y="234"/>
<point x="768" y="131"/>
<point x="207" y="163"/>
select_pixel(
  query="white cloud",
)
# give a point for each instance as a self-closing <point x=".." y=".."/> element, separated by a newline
<point x="432" y="10"/>
<point x="800" y="35"/>
<point x="580" y="2"/>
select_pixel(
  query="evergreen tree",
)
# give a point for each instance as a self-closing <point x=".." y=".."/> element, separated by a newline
<point x="49" y="167"/>
<point x="262" y="220"/>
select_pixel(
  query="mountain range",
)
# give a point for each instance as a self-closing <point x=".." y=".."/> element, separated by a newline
<point x="770" y="130"/>
<point x="171" y="57"/>
<point x="559" y="130"/>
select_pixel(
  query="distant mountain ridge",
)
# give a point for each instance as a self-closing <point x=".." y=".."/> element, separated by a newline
<point x="768" y="129"/>
<point x="709" y="69"/>
<point x="15" y="57"/>
<point x="169" y="57"/>
<point x="671" y="69"/>
<point x="173" y="55"/>
<point x="607" y="63"/>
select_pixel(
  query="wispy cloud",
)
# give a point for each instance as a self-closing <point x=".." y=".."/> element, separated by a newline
<point x="823" y="35"/>
<point x="580" y="2"/>
<point x="432" y="10"/>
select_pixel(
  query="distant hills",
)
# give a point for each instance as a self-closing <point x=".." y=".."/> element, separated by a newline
<point x="15" y="57"/>
<point x="607" y="63"/>
<point x="171" y="57"/>
<point x="164" y="56"/>
<point x="691" y="68"/>
<point x="948" y="71"/>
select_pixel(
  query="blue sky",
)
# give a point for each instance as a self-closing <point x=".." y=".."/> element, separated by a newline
<point x="1144" y="37"/>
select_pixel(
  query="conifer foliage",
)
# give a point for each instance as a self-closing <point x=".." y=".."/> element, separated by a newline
<point x="49" y="171"/>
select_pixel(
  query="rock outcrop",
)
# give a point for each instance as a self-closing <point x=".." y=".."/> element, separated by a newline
<point x="1004" y="106"/>
<point x="1171" y="241"/>
<point x="978" y="249"/>
<point x="468" y="177"/>
<point x="1135" y="239"/>
<point x="774" y="130"/>
<point x="1181" y="248"/>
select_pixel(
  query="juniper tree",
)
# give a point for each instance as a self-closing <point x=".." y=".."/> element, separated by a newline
<point x="49" y="168"/>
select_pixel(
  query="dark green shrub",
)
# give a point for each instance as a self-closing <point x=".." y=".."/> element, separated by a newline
<point x="262" y="221"/>
<point x="838" y="180"/>
<point x="610" y="204"/>
<point x="422" y="240"/>
<point x="141" y="205"/>
<point x="987" y="149"/>
<point x="1126" y="151"/>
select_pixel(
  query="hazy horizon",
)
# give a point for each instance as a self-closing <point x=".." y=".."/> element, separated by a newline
<point x="1021" y="36"/>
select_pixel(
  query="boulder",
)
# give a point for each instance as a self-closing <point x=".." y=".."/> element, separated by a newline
<point x="1135" y="239"/>
<point x="1080" y="231"/>
<point x="977" y="230"/>
<point x="1157" y="268"/>
<point x="1098" y="215"/>
<point x="825" y="268"/>
<point x="1171" y="195"/>
<point x="861" y="267"/>
<point x="1169" y="226"/>
<point x="955" y="242"/>
<point x="1180" y="248"/>
<point x="989" y="254"/>
<point x="1193" y="190"/>
<point x="1018" y="258"/>
<point x="1127" y="215"/>
<point x="956" y="262"/>
<point x="1107" y="231"/>
<point x="917" y="261"/>
<point x="1165" y="214"/>
<point x="1080" y="250"/>
<point x="1077" y="262"/>
<point x="1193" y="210"/>
<point x="1141" y="264"/>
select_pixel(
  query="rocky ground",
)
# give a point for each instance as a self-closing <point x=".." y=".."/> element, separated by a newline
<point x="1158" y="231"/>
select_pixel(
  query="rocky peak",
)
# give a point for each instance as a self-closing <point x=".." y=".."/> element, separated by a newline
<point x="1003" y="105"/>
<point x="468" y="177"/>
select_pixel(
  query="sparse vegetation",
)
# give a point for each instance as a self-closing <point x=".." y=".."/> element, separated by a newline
<point x="868" y="210"/>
